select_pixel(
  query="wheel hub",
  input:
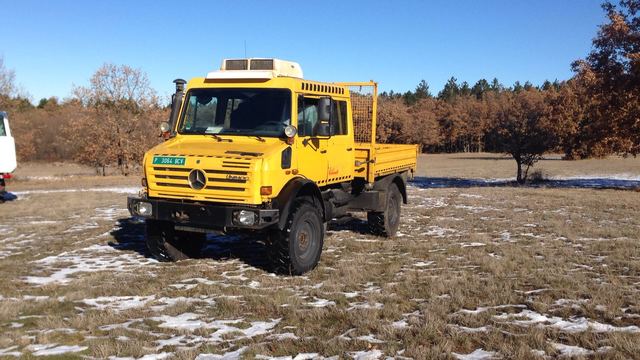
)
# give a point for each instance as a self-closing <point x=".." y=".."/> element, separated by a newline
<point x="303" y="240"/>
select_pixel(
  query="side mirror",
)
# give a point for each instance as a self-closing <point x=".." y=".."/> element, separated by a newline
<point x="324" y="116"/>
<point x="324" y="109"/>
<point x="165" y="130"/>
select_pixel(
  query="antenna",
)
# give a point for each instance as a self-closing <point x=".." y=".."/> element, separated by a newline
<point x="245" y="49"/>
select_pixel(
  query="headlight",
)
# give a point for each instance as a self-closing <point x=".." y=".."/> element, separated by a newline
<point x="144" y="209"/>
<point x="245" y="217"/>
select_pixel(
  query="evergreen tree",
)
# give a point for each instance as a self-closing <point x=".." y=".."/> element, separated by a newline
<point x="450" y="90"/>
<point x="480" y="88"/>
<point x="422" y="90"/>
<point x="496" y="86"/>
<point x="465" y="90"/>
<point x="517" y="87"/>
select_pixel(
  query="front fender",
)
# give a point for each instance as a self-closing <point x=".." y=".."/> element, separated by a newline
<point x="295" y="188"/>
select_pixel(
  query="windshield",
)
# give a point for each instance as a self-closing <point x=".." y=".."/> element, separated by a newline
<point x="259" y="112"/>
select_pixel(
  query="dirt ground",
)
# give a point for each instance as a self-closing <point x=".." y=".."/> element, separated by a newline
<point x="481" y="269"/>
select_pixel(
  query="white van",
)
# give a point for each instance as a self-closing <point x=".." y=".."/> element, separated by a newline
<point x="7" y="152"/>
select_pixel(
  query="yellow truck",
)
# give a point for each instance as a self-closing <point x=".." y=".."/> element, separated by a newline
<point x="255" y="147"/>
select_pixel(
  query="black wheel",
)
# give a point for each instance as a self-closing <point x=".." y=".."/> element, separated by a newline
<point x="386" y="223"/>
<point x="167" y="244"/>
<point x="296" y="249"/>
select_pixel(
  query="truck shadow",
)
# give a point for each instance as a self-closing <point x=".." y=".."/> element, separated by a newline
<point x="348" y="223"/>
<point x="568" y="183"/>
<point x="129" y="235"/>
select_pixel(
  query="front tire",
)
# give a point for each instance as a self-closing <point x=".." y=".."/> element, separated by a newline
<point x="386" y="223"/>
<point x="296" y="249"/>
<point x="167" y="244"/>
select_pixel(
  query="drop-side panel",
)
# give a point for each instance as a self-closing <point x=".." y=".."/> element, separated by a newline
<point x="384" y="159"/>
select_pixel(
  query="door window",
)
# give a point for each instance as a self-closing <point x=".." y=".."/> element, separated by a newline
<point x="307" y="116"/>
<point x="339" y="118"/>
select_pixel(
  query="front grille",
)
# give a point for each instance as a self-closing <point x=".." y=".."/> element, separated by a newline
<point x="230" y="180"/>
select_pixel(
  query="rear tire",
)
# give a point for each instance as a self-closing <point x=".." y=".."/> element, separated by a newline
<point x="167" y="244"/>
<point x="386" y="223"/>
<point x="296" y="249"/>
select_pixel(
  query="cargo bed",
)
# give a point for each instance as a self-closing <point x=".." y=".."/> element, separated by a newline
<point x="377" y="160"/>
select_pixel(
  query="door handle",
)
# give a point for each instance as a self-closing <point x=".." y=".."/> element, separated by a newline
<point x="349" y="149"/>
<point x="323" y="151"/>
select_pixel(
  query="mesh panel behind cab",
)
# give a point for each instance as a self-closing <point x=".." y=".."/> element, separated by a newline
<point x="362" y="111"/>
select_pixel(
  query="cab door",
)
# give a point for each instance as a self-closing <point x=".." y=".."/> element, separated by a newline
<point x="340" y="151"/>
<point x="311" y="149"/>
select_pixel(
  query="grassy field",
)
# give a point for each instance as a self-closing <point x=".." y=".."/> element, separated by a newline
<point x="480" y="269"/>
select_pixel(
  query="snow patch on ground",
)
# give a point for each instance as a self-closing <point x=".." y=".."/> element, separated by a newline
<point x="117" y="303"/>
<point x="471" y="330"/>
<point x="233" y="355"/>
<point x="486" y="308"/>
<point x="439" y="232"/>
<point x="94" y="258"/>
<point x="115" y="189"/>
<point x="472" y="244"/>
<point x="572" y="325"/>
<point x="191" y="322"/>
<point x="366" y="355"/>
<point x="365" y="306"/>
<point x="10" y="351"/>
<point x="478" y="354"/>
<point x="54" y="349"/>
<point x="321" y="303"/>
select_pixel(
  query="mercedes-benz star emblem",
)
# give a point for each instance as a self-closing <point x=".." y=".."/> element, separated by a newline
<point x="197" y="179"/>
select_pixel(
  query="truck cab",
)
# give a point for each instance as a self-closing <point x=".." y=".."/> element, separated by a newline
<point x="255" y="147"/>
<point x="7" y="152"/>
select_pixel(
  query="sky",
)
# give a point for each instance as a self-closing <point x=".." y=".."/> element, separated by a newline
<point x="54" y="45"/>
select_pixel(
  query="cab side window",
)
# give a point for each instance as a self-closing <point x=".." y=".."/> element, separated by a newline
<point x="307" y="116"/>
<point x="339" y="118"/>
<point x="3" y="132"/>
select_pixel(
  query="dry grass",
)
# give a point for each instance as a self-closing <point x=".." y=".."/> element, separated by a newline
<point x="509" y="270"/>
<point x="487" y="165"/>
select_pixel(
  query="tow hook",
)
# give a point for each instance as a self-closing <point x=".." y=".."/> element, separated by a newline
<point x="180" y="215"/>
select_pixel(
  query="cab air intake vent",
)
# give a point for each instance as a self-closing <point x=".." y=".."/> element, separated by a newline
<point x="261" y="64"/>
<point x="240" y="64"/>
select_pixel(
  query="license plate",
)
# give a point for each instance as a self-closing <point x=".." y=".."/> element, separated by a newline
<point x="168" y="160"/>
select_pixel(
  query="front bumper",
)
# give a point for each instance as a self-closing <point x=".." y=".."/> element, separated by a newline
<point x="202" y="215"/>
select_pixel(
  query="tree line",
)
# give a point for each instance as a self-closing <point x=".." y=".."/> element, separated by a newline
<point x="114" y="119"/>
<point x="109" y="123"/>
<point x="594" y="114"/>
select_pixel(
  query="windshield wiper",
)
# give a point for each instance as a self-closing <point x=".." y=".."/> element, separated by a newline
<point x="219" y="138"/>
<point x="261" y="139"/>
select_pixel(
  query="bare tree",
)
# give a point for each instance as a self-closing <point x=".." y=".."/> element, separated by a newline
<point x="122" y="101"/>
<point x="7" y="80"/>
